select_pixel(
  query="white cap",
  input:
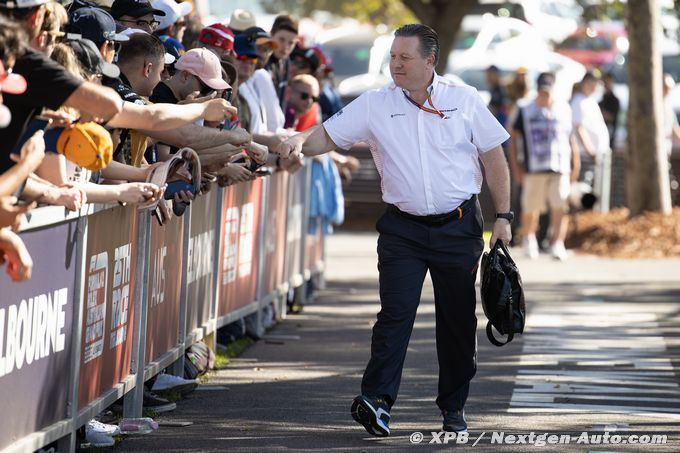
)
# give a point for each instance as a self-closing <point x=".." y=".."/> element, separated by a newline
<point x="169" y="59"/>
<point x="241" y="19"/>
<point x="173" y="11"/>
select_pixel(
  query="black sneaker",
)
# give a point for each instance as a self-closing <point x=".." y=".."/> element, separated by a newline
<point x="373" y="414"/>
<point x="156" y="403"/>
<point x="454" y="421"/>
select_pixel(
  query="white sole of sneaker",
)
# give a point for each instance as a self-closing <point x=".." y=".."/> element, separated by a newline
<point x="364" y="414"/>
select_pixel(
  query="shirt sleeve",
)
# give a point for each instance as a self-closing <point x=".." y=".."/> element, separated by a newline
<point x="487" y="132"/>
<point x="47" y="83"/>
<point x="576" y="112"/>
<point x="350" y="124"/>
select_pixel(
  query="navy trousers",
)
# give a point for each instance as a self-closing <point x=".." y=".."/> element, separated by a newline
<point x="407" y="249"/>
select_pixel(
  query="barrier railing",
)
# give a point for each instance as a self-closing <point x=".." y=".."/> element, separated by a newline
<point x="115" y="298"/>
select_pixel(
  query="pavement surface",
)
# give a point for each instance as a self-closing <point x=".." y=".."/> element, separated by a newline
<point x="600" y="354"/>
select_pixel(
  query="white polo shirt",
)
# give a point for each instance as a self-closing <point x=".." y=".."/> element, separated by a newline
<point x="427" y="164"/>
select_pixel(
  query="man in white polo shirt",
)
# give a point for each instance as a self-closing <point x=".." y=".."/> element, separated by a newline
<point x="427" y="136"/>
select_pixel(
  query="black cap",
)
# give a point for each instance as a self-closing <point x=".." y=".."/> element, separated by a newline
<point x="88" y="55"/>
<point x="493" y="68"/>
<point x="545" y="81"/>
<point x="307" y="55"/>
<point x="94" y="24"/>
<point x="134" y="8"/>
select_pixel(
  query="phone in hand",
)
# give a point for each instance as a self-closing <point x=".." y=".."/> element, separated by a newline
<point x="176" y="187"/>
<point x="38" y="123"/>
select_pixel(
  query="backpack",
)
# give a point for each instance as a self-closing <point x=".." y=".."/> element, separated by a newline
<point x="198" y="360"/>
<point x="502" y="294"/>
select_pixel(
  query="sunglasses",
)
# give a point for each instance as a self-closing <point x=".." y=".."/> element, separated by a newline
<point x="246" y="58"/>
<point x="205" y="89"/>
<point x="152" y="24"/>
<point x="115" y="45"/>
<point x="304" y="96"/>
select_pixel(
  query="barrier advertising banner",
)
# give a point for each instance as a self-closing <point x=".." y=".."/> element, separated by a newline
<point x="36" y="324"/>
<point x="109" y="306"/>
<point x="275" y="232"/>
<point x="238" y="264"/>
<point x="296" y="200"/>
<point x="200" y="260"/>
<point x="164" y="287"/>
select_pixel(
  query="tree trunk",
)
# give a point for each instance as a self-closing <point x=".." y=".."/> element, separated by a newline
<point x="647" y="164"/>
<point x="444" y="17"/>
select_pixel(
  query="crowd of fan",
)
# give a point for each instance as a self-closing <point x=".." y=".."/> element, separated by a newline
<point x="97" y="98"/>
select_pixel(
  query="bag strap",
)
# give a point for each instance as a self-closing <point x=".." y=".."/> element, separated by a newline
<point x="511" y="316"/>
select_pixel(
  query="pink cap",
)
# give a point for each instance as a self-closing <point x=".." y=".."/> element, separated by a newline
<point x="205" y="65"/>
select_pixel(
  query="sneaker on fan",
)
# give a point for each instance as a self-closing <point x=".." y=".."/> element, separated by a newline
<point x="94" y="425"/>
<point x="558" y="251"/>
<point x="530" y="246"/>
<point x="166" y="382"/>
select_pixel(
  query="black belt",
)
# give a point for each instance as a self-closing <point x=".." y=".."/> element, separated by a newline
<point x="437" y="219"/>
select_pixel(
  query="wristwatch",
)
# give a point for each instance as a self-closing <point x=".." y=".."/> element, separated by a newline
<point x="509" y="216"/>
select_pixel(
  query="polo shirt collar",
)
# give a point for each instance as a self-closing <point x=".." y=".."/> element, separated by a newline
<point x="430" y="88"/>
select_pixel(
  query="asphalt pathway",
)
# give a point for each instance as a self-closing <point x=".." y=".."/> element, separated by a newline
<point x="601" y="354"/>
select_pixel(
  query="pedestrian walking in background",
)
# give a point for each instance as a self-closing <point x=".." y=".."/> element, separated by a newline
<point x="545" y="161"/>
<point x="427" y="135"/>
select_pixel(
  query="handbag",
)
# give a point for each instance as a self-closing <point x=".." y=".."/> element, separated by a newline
<point x="502" y="294"/>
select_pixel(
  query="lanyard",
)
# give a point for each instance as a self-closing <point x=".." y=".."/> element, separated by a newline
<point x="422" y="107"/>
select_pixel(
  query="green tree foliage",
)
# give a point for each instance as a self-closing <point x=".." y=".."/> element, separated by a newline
<point x="389" y="12"/>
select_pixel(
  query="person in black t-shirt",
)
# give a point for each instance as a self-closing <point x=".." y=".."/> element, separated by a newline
<point x="51" y="86"/>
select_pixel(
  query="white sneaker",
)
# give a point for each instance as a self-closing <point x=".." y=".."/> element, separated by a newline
<point x="530" y="246"/>
<point x="165" y="382"/>
<point x="96" y="426"/>
<point x="100" y="434"/>
<point x="558" y="251"/>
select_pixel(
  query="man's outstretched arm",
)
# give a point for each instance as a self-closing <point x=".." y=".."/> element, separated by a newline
<point x="311" y="142"/>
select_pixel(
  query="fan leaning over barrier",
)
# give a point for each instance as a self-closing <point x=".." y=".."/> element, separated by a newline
<point x="502" y="294"/>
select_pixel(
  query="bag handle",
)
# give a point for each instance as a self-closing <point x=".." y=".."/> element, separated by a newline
<point x="502" y="246"/>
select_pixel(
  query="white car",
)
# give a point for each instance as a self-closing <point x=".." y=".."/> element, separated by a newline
<point x="493" y="37"/>
<point x="567" y="71"/>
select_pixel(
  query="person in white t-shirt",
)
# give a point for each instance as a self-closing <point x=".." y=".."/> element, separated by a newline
<point x="590" y="129"/>
<point x="427" y="136"/>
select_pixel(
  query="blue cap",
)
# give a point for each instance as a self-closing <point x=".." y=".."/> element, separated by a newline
<point x="172" y="46"/>
<point x="94" y="24"/>
<point x="244" y="46"/>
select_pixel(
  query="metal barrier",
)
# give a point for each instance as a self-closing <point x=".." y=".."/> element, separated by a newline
<point x="115" y="298"/>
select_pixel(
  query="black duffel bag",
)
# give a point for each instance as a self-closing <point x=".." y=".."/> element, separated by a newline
<point x="502" y="294"/>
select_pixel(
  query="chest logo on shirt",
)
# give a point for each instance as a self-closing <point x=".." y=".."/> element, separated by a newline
<point x="450" y="110"/>
<point x="397" y="114"/>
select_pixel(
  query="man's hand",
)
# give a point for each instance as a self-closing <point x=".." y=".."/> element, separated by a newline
<point x="32" y="152"/>
<point x="13" y="252"/>
<point x="12" y="215"/>
<point x="68" y="196"/>
<point x="291" y="164"/>
<point x="258" y="152"/>
<point x="501" y="230"/>
<point x="235" y="173"/>
<point x="138" y="192"/>
<point x="218" y="110"/>
<point x="195" y="97"/>
<point x="59" y="119"/>
<point x="183" y="197"/>
<point x="291" y="146"/>
<point x="240" y="137"/>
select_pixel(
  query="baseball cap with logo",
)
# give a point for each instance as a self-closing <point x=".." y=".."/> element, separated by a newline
<point x="134" y="8"/>
<point x="205" y="65"/>
<point x="217" y="35"/>
<point x="244" y="47"/>
<point x="173" y="11"/>
<point x="260" y="37"/>
<point x="86" y="144"/>
<point x="305" y="56"/>
<point x="19" y="4"/>
<point x="94" y="24"/>
<point x="88" y="55"/>
<point x="241" y="19"/>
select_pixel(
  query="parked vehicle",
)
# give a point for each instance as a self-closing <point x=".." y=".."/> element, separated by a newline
<point x="596" y="45"/>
